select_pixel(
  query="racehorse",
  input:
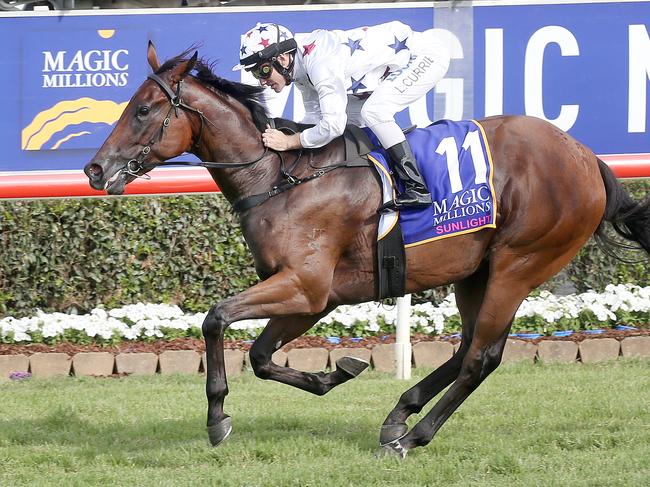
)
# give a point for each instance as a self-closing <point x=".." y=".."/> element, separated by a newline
<point x="313" y="244"/>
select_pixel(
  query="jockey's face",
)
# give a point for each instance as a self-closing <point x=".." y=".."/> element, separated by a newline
<point x="276" y="81"/>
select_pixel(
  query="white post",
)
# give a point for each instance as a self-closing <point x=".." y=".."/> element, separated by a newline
<point x="403" y="338"/>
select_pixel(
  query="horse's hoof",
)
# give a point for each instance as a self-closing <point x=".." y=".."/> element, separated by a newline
<point x="220" y="431"/>
<point x="352" y="365"/>
<point x="393" y="449"/>
<point x="391" y="432"/>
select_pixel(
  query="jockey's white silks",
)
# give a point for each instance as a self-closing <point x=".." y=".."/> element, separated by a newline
<point x="373" y="72"/>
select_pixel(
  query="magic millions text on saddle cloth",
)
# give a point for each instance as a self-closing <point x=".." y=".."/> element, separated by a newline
<point x="455" y="161"/>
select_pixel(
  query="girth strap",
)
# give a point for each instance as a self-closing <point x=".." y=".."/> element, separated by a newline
<point x="287" y="184"/>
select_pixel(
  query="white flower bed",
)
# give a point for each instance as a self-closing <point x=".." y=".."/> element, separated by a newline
<point x="621" y="304"/>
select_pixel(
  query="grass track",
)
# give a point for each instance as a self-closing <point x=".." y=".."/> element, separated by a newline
<point x="571" y="425"/>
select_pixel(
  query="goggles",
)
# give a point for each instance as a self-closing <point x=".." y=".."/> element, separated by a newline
<point x="262" y="71"/>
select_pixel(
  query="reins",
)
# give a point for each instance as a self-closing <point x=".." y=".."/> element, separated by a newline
<point x="134" y="166"/>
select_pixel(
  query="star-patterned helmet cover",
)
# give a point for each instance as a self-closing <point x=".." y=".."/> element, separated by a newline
<point x="263" y="42"/>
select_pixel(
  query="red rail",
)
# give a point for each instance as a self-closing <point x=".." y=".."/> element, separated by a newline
<point x="56" y="184"/>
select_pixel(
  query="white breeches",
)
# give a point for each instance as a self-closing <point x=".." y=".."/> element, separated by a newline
<point x="428" y="65"/>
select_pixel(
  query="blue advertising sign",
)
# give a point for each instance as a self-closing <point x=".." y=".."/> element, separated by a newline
<point x="584" y="66"/>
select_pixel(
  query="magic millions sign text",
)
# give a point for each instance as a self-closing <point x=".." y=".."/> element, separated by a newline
<point x="85" y="69"/>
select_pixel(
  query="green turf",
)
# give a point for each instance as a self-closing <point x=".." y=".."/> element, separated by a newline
<point x="572" y="425"/>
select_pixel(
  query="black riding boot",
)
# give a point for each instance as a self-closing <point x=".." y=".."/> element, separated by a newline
<point x="416" y="194"/>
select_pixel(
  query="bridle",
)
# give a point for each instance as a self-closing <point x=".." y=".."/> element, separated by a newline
<point x="134" y="166"/>
<point x="288" y="181"/>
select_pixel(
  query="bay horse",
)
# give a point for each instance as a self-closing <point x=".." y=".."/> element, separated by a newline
<point x="313" y="245"/>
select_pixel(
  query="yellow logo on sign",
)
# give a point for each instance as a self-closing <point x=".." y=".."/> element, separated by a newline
<point x="49" y="124"/>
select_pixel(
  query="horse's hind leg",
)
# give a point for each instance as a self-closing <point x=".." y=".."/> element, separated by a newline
<point x="513" y="272"/>
<point x="469" y="296"/>
<point x="483" y="356"/>
<point x="282" y="330"/>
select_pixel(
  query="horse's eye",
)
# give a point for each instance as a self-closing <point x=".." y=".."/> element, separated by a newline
<point x="143" y="110"/>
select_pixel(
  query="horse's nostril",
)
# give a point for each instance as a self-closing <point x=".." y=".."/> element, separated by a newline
<point x="94" y="170"/>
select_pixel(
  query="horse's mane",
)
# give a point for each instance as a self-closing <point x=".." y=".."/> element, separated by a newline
<point x="248" y="95"/>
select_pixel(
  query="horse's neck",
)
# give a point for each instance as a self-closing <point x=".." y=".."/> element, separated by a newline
<point x="230" y="135"/>
<point x="237" y="139"/>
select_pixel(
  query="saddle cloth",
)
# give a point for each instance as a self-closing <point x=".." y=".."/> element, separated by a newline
<point x="454" y="159"/>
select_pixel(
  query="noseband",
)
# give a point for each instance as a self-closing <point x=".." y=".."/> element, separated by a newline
<point x="134" y="166"/>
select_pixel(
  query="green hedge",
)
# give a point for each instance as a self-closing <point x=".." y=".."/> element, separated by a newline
<point x="67" y="255"/>
<point x="73" y="255"/>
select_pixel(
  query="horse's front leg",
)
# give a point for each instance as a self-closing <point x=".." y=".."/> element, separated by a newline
<point x="283" y="294"/>
<point x="216" y="387"/>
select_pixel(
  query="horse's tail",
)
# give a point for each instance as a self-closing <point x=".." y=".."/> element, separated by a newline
<point x="630" y="219"/>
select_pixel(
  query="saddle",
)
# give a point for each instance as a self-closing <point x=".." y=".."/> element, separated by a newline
<point x="391" y="256"/>
<point x="357" y="143"/>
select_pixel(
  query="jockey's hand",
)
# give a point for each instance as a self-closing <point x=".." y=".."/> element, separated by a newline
<point x="276" y="140"/>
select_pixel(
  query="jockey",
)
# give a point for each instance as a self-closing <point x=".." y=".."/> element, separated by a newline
<point x="361" y="76"/>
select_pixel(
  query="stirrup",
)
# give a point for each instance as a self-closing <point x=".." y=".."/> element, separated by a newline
<point x="396" y="205"/>
<point x="388" y="207"/>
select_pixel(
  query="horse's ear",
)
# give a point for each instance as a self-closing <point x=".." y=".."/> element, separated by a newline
<point x="193" y="61"/>
<point x="152" y="57"/>
<point x="183" y="69"/>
